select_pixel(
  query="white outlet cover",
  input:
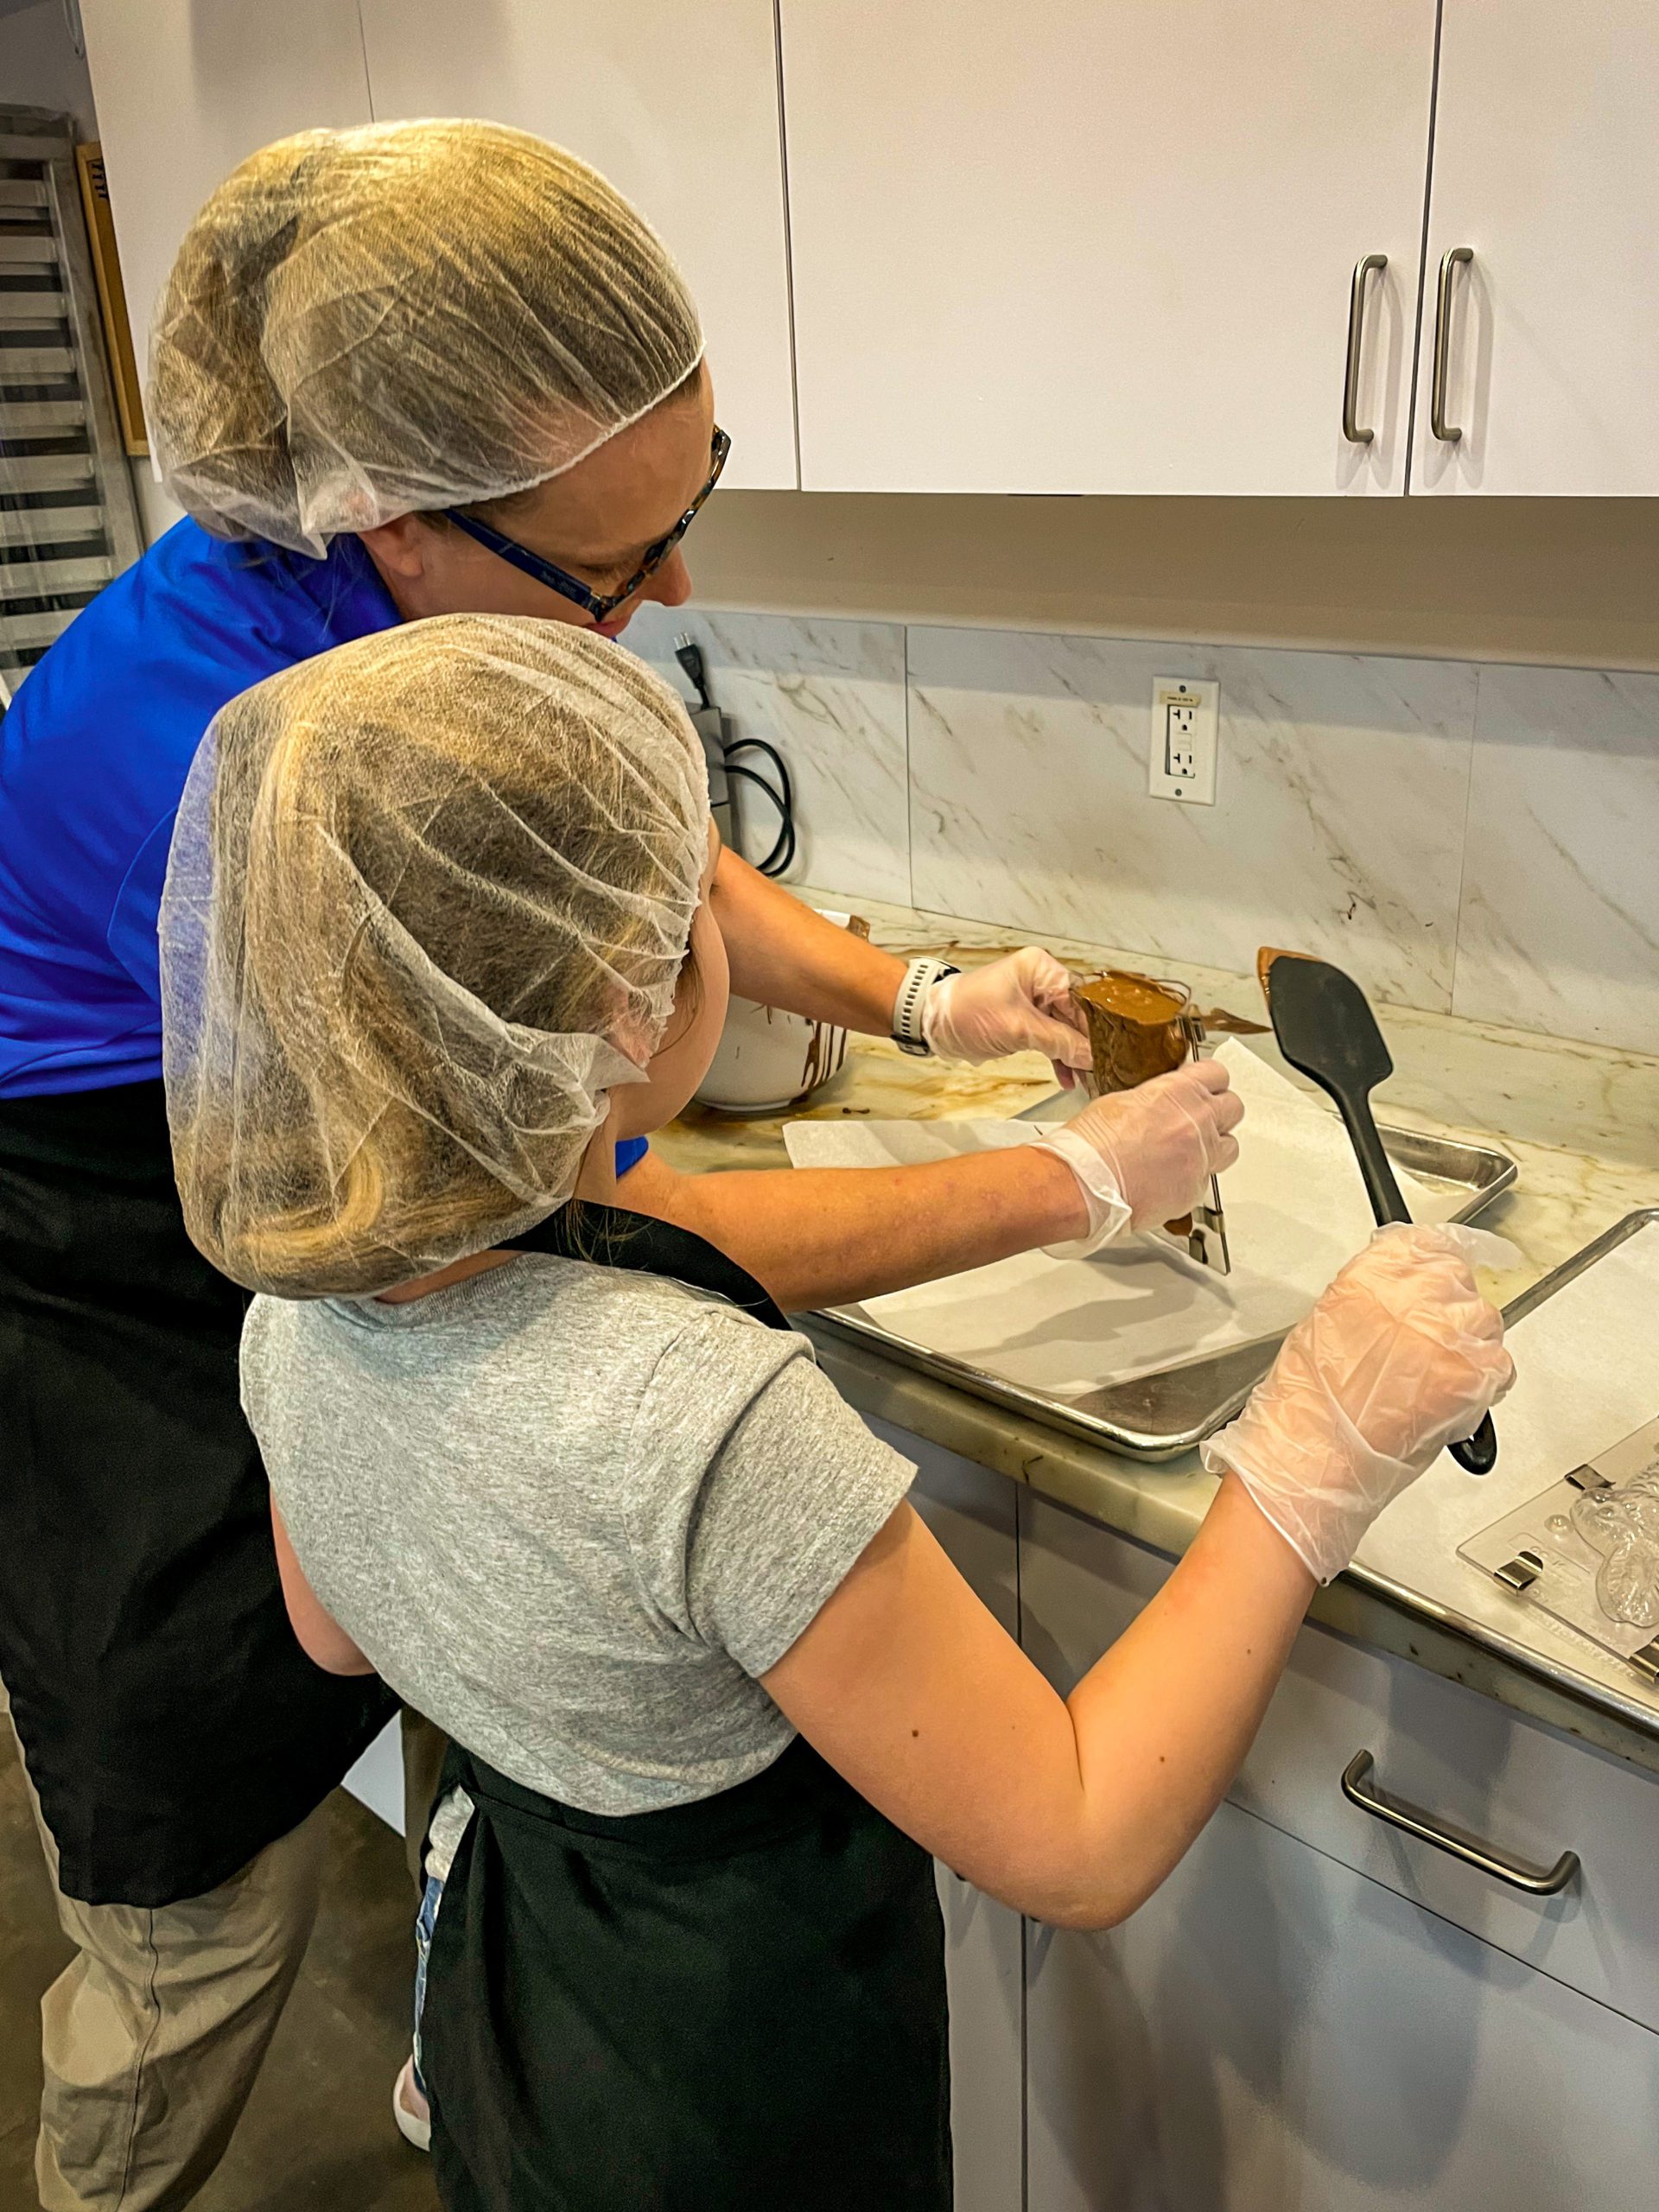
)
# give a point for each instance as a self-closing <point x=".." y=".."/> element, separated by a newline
<point x="1183" y="741"/>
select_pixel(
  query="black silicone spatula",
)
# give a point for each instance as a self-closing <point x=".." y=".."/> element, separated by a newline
<point x="1326" y="1028"/>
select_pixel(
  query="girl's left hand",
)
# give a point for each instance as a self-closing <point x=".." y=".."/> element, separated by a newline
<point x="1021" y="1004"/>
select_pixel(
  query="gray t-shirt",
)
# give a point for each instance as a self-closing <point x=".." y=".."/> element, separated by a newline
<point x="569" y="1513"/>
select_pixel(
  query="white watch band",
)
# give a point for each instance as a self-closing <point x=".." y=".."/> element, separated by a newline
<point x="919" y="979"/>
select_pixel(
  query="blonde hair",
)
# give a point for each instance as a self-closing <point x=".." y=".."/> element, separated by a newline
<point x="429" y="898"/>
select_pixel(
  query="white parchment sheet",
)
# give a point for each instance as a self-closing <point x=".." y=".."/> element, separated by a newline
<point x="1296" y="1210"/>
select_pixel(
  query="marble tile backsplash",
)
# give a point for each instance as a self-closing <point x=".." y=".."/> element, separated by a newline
<point x="1337" y="826"/>
<point x="1465" y="838"/>
<point x="831" y="696"/>
<point x="1559" y="925"/>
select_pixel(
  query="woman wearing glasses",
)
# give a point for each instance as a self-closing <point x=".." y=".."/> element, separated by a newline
<point x="413" y="370"/>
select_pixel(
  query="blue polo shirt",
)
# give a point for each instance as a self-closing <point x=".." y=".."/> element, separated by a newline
<point x="93" y="755"/>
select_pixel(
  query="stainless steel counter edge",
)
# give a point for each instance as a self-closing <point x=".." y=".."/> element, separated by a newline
<point x="1161" y="1509"/>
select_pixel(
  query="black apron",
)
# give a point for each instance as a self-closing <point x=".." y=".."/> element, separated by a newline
<point x="732" y="2004"/>
<point x="172" y="1725"/>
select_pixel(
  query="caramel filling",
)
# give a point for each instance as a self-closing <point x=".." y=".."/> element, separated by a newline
<point x="1264" y="960"/>
<point x="1135" y="1028"/>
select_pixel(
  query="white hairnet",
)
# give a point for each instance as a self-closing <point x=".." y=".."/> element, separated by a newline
<point x="367" y="323"/>
<point x="428" y="900"/>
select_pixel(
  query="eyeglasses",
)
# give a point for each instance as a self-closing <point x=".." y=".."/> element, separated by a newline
<point x="599" y="604"/>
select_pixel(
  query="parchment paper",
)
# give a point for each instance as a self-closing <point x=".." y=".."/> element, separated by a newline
<point x="1296" y="1210"/>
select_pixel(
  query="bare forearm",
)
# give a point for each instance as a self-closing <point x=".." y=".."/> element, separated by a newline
<point x="785" y="954"/>
<point x="1085" y="1807"/>
<point x="1164" y="1719"/>
<point x="1072" y="1810"/>
<point x="828" y="1235"/>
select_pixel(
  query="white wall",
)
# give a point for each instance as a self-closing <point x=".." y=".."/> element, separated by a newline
<point x="1564" y="583"/>
<point x="157" y="509"/>
<point x="39" y="66"/>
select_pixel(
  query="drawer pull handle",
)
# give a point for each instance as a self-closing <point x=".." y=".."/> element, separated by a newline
<point x="1536" y="1881"/>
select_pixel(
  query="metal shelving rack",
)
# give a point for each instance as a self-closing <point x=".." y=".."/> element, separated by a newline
<point x="68" y="520"/>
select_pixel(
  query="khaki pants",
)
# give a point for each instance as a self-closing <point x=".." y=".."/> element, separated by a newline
<point x="152" y="2034"/>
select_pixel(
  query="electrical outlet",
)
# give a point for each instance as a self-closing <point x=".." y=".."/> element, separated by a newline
<point x="1181" y="756"/>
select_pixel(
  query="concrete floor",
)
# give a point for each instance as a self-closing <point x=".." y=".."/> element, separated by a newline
<point x="318" y="2131"/>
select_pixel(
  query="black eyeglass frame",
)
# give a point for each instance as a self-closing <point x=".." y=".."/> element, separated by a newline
<point x="599" y="605"/>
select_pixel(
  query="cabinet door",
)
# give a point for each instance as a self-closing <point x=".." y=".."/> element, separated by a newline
<point x="1542" y="166"/>
<point x="971" y="1511"/>
<point x="1275" y="2029"/>
<point x="186" y="91"/>
<point x="1102" y="248"/>
<point x="681" y="117"/>
<point x="1470" y="1763"/>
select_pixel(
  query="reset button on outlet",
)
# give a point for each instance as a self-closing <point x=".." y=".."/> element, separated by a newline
<point x="1181" y="756"/>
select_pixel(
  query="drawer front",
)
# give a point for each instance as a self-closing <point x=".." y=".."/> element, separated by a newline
<point x="1274" y="2033"/>
<point x="1525" y="1791"/>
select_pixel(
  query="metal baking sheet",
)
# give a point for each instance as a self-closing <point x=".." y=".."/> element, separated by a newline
<point x="1158" y="1416"/>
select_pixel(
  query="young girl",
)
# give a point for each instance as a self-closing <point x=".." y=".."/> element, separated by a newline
<point x="436" y="938"/>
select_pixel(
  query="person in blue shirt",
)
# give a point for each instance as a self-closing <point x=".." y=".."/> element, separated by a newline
<point x="403" y="370"/>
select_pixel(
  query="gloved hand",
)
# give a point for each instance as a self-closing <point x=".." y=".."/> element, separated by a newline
<point x="1400" y="1358"/>
<point x="1021" y="1004"/>
<point x="1144" y="1156"/>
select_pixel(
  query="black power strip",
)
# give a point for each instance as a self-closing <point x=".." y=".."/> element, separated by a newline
<point x="779" y="794"/>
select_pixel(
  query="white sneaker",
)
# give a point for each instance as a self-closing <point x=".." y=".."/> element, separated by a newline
<point x="411" y="2110"/>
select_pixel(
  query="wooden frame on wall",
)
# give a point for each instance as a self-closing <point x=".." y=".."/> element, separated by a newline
<point x="112" y="297"/>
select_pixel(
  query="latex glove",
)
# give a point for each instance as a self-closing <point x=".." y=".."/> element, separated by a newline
<point x="1021" y="1004"/>
<point x="1401" y="1357"/>
<point x="1145" y="1156"/>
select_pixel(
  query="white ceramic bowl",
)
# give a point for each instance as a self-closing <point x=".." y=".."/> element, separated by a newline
<point x="767" y="1061"/>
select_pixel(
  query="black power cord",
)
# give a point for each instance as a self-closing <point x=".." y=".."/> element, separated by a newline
<point x="780" y="795"/>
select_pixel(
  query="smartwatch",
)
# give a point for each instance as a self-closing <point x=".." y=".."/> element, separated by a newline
<point x="919" y="979"/>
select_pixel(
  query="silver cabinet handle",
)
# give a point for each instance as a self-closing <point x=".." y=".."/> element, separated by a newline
<point x="1536" y="1881"/>
<point x="1448" y="434"/>
<point x="1363" y="269"/>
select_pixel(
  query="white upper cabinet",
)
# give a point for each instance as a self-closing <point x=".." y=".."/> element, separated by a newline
<point x="186" y="89"/>
<point x="1544" y="170"/>
<point x="1093" y="246"/>
<point x="677" y="105"/>
<point x="1104" y="245"/>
